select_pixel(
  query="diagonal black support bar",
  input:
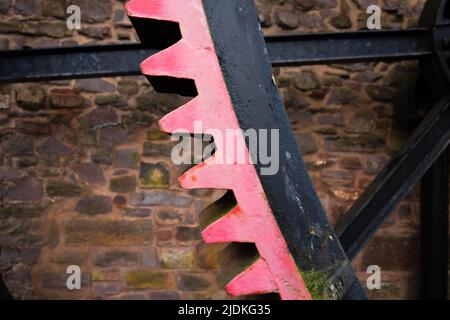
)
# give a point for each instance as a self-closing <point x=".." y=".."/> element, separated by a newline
<point x="426" y="144"/>
<point x="293" y="50"/>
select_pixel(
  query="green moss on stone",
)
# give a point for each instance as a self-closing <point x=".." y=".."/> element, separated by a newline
<point x="148" y="280"/>
<point x="135" y="156"/>
<point x="154" y="134"/>
<point x="57" y="188"/>
<point x="154" y="175"/>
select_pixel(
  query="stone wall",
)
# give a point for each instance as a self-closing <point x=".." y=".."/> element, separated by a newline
<point x="86" y="178"/>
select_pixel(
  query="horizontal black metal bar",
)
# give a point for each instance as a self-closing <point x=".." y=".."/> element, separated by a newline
<point x="379" y="199"/>
<point x="291" y="50"/>
<point x="71" y="62"/>
<point x="346" y="47"/>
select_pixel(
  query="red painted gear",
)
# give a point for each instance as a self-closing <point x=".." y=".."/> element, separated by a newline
<point x="251" y="220"/>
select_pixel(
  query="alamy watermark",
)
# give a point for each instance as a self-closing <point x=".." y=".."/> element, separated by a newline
<point x="73" y="21"/>
<point x="74" y="280"/>
<point x="374" y="280"/>
<point x="230" y="146"/>
<point x="374" y="20"/>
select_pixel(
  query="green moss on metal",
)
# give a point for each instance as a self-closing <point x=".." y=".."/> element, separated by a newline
<point x="316" y="282"/>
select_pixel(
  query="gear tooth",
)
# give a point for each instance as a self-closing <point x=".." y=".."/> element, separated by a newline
<point x="173" y="61"/>
<point x="229" y="228"/>
<point x="256" y="279"/>
<point x="154" y="9"/>
<point x="183" y="118"/>
<point x="207" y="174"/>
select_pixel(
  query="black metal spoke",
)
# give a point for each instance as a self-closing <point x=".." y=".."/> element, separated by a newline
<point x="71" y="62"/>
<point x="293" y="50"/>
<point x="347" y="47"/>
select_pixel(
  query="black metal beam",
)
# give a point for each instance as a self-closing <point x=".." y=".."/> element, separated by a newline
<point x="379" y="199"/>
<point x="293" y="50"/>
<point x="71" y="62"/>
<point x="347" y="47"/>
<point x="434" y="230"/>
